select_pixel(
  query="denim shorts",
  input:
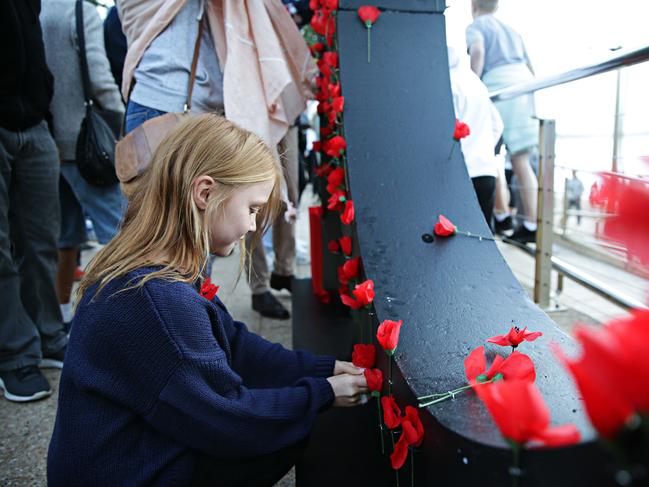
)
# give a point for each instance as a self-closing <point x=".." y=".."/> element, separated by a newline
<point x="104" y="206"/>
<point x="137" y="114"/>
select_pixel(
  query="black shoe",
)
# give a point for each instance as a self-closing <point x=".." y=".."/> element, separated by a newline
<point x="53" y="360"/>
<point x="524" y="236"/>
<point x="505" y="227"/>
<point x="24" y="384"/>
<point x="278" y="282"/>
<point x="268" y="306"/>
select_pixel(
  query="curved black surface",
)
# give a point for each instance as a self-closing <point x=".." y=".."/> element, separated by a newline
<point x="456" y="292"/>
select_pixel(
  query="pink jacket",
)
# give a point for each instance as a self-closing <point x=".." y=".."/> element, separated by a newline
<point x="267" y="67"/>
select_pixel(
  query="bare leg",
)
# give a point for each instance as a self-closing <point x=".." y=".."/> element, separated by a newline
<point x="65" y="273"/>
<point x="527" y="183"/>
<point x="502" y="194"/>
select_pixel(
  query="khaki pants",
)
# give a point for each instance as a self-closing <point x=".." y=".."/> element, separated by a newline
<point x="283" y="232"/>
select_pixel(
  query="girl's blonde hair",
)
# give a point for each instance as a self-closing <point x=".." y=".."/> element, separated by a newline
<point x="163" y="226"/>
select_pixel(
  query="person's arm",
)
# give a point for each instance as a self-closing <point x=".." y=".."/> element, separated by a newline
<point x="205" y="407"/>
<point x="102" y="84"/>
<point x="263" y="363"/>
<point x="496" y="122"/>
<point x="528" y="62"/>
<point x="477" y="54"/>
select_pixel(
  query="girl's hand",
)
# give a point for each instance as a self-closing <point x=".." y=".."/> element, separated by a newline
<point x="347" y="368"/>
<point x="348" y="389"/>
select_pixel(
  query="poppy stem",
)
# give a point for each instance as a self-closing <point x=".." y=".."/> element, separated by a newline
<point x="450" y="155"/>
<point x="516" y="470"/>
<point x="412" y="467"/>
<point x="369" y="42"/>
<point x="439" y="397"/>
<point x="378" y="402"/>
<point x="473" y="235"/>
<point x="396" y="472"/>
<point x="390" y="377"/>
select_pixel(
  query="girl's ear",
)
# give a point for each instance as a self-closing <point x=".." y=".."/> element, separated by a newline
<point x="201" y="188"/>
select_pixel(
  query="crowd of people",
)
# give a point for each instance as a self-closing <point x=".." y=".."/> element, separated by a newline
<point x="158" y="375"/>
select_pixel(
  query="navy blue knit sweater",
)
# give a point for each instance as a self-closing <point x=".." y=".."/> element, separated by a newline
<point x="154" y="375"/>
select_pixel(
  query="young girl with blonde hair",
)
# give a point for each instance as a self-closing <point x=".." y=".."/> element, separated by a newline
<point x="160" y="384"/>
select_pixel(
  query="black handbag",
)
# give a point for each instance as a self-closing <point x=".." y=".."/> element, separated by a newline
<point x="95" y="152"/>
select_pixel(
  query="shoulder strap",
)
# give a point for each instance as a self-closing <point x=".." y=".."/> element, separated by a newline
<point x="85" y="78"/>
<point x="192" y="74"/>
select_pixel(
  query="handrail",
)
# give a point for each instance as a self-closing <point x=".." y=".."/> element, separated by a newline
<point x="627" y="58"/>
<point x="595" y="285"/>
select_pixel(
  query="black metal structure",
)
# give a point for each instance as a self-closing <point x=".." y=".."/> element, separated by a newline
<point x="404" y="169"/>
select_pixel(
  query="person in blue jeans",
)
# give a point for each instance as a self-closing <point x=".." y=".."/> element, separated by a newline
<point x="103" y="205"/>
<point x="31" y="330"/>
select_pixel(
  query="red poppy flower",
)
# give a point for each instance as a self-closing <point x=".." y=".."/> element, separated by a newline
<point x="412" y="434"/>
<point x="325" y="132"/>
<point x="520" y="413"/>
<point x="335" y="201"/>
<point x="338" y="104"/>
<point x="323" y="22"/>
<point x="374" y="378"/>
<point x="391" y="412"/>
<point x="336" y="180"/>
<point x="346" y="245"/>
<point x="412" y="416"/>
<point x="368" y="15"/>
<point x="364" y="292"/>
<point x="335" y="146"/>
<point x="461" y="130"/>
<point x="333" y="246"/>
<point x="350" y="268"/>
<point x="332" y="117"/>
<point x="627" y="201"/>
<point x="317" y="147"/>
<point x="514" y="337"/>
<point x="517" y="366"/>
<point x="347" y="215"/>
<point x="388" y="335"/>
<point x="314" y="4"/>
<point x="323" y="296"/>
<point x="613" y="371"/>
<point x="364" y="355"/>
<point x="629" y="338"/>
<point x="317" y="47"/>
<point x="331" y="59"/>
<point x="444" y="227"/>
<point x="400" y="452"/>
<point x="323" y="170"/>
<point x="330" y="4"/>
<point x="208" y="290"/>
<point x="347" y="300"/>
<point x="343" y="290"/>
<point x="325" y="70"/>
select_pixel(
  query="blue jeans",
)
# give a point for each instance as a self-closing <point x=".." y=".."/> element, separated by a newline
<point x="104" y="206"/>
<point x="30" y="320"/>
<point x="137" y="114"/>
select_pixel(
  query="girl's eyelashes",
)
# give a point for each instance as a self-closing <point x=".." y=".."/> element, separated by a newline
<point x="254" y="210"/>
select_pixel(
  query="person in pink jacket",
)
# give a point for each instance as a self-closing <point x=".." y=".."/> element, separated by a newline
<point x="257" y="72"/>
